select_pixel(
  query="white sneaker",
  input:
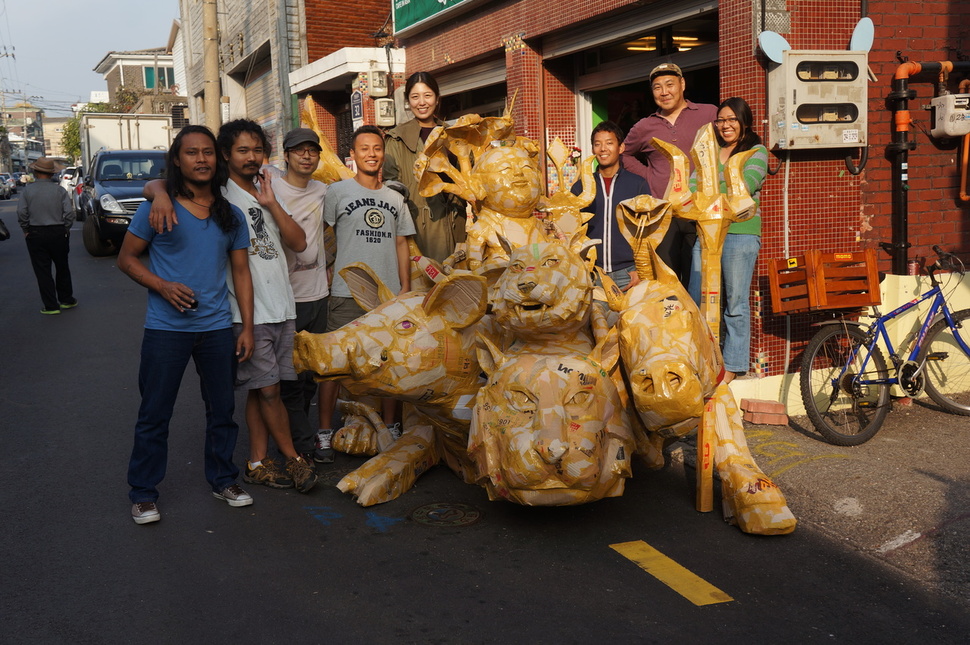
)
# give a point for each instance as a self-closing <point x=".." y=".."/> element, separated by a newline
<point x="234" y="496"/>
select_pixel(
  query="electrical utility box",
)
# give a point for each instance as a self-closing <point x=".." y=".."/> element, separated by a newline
<point x="819" y="99"/>
<point x="951" y="115"/>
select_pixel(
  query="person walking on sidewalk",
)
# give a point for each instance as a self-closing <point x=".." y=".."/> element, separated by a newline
<point x="189" y="316"/>
<point x="45" y="214"/>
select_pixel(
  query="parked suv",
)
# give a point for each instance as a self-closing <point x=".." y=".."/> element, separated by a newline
<point x="6" y="185"/>
<point x="112" y="194"/>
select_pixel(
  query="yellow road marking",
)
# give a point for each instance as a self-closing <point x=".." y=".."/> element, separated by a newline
<point x="690" y="586"/>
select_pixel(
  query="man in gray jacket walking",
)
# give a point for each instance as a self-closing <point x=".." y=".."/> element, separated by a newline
<point x="46" y="215"/>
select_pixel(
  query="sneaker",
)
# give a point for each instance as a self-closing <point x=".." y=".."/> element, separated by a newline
<point x="303" y="474"/>
<point x="323" y="454"/>
<point x="145" y="512"/>
<point x="234" y="496"/>
<point x="396" y="430"/>
<point x="69" y="305"/>
<point x="267" y="474"/>
<point x="50" y="312"/>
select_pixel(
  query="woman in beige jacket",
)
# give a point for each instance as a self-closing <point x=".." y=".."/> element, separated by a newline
<point x="439" y="220"/>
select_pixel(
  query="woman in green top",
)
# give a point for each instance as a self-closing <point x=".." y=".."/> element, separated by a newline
<point x="734" y="134"/>
<point x="439" y="221"/>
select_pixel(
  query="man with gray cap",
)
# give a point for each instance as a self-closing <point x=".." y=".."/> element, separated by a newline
<point x="676" y="121"/>
<point x="302" y="197"/>
<point x="46" y="215"/>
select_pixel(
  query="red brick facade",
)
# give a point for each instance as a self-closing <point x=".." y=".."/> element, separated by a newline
<point x="813" y="202"/>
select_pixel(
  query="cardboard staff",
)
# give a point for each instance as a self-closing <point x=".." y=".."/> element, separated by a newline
<point x="713" y="211"/>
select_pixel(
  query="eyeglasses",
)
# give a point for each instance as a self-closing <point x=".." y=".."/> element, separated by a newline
<point x="303" y="152"/>
<point x="731" y="120"/>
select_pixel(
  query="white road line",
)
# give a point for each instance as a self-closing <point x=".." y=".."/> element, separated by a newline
<point x="900" y="540"/>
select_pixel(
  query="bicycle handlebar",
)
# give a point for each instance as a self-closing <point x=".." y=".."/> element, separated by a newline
<point x="946" y="262"/>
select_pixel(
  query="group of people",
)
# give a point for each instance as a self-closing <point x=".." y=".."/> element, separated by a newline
<point x="237" y="265"/>
<point x="630" y="166"/>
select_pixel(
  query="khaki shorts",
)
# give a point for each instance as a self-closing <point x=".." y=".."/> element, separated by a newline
<point x="272" y="359"/>
<point x="342" y="311"/>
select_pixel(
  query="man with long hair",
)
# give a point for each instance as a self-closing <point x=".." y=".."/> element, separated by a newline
<point x="189" y="316"/>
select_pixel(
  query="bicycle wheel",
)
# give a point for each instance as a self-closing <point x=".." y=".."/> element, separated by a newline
<point x="844" y="412"/>
<point x="947" y="366"/>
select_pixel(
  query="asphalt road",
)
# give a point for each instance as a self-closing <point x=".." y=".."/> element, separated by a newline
<point x="317" y="568"/>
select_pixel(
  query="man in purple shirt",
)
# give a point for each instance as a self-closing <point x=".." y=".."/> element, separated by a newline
<point x="676" y="122"/>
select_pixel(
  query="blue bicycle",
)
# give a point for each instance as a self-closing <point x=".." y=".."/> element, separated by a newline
<point x="845" y="379"/>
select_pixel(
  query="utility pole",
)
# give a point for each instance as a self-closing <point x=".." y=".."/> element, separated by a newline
<point x="212" y="91"/>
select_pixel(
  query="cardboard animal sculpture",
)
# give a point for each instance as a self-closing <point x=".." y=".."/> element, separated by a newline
<point x="673" y="366"/>
<point x="498" y="174"/>
<point x="418" y="348"/>
<point x="550" y="429"/>
<point x="543" y="298"/>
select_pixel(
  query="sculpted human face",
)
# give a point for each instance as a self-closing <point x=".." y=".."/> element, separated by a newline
<point x="246" y="156"/>
<point x="197" y="158"/>
<point x="510" y="178"/>
<point x="668" y="92"/>
<point x="423" y="102"/>
<point x="368" y="153"/>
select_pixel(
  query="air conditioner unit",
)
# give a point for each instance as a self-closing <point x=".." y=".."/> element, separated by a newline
<point x="384" y="112"/>
<point x="377" y="83"/>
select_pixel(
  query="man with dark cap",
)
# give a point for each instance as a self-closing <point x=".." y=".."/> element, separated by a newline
<point x="302" y="197"/>
<point x="46" y="215"/>
<point x="676" y="121"/>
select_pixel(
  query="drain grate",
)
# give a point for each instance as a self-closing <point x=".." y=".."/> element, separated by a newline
<point x="446" y="514"/>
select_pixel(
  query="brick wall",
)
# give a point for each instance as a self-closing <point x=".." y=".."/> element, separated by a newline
<point x="333" y="25"/>
<point x="923" y="32"/>
<point x="813" y="202"/>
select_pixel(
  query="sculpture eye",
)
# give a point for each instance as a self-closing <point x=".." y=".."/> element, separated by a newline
<point x="582" y="399"/>
<point x="516" y="267"/>
<point x="383" y="354"/>
<point x="406" y="327"/>
<point x="550" y="262"/>
<point x="520" y="400"/>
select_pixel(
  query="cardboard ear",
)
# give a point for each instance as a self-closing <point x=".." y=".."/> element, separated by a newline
<point x="607" y="351"/>
<point x="366" y="288"/>
<point x="459" y="300"/>
<point x="490" y="358"/>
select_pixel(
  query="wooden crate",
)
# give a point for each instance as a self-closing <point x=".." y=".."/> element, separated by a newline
<point x="817" y="280"/>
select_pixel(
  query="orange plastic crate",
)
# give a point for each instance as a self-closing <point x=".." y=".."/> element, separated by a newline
<point x="817" y="280"/>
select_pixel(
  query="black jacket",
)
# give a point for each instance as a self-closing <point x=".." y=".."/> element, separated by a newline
<point x="614" y="253"/>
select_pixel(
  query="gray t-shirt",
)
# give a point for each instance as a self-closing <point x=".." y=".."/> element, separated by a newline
<point x="367" y="224"/>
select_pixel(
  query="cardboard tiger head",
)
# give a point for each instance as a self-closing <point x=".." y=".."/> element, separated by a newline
<point x="546" y="291"/>
<point x="550" y="430"/>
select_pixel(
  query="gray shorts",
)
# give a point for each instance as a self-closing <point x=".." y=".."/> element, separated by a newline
<point x="342" y="311"/>
<point x="272" y="359"/>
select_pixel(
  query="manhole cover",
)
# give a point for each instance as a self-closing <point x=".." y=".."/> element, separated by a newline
<point x="443" y="514"/>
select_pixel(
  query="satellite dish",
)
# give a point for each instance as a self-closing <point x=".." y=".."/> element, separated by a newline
<point x="862" y="36"/>
<point x="773" y="45"/>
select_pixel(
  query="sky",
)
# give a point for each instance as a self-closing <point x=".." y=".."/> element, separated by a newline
<point x="49" y="48"/>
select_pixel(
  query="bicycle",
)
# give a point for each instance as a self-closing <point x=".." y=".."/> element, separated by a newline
<point x="845" y="380"/>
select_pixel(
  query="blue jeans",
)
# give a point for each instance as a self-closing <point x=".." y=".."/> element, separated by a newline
<point x="164" y="355"/>
<point x="737" y="269"/>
